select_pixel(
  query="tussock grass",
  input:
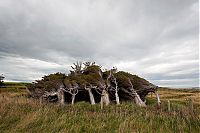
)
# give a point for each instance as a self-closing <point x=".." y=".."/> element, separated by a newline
<point x="179" y="96"/>
<point x="18" y="113"/>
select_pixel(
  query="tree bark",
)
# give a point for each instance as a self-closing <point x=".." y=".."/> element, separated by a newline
<point x="61" y="97"/>
<point x="101" y="103"/>
<point x="117" y="97"/>
<point x="41" y="100"/>
<point x="158" y="99"/>
<point x="105" y="98"/>
<point x="73" y="99"/>
<point x="116" y="92"/>
<point x="92" y="101"/>
<point x="138" y="101"/>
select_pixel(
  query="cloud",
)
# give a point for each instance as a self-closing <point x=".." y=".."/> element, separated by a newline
<point x="154" y="39"/>
<point x="27" y="69"/>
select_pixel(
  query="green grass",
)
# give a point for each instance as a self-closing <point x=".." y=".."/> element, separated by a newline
<point x="15" y="83"/>
<point x="18" y="113"/>
<point x="13" y="87"/>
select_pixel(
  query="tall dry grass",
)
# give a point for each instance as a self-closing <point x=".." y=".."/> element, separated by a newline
<point x="18" y="113"/>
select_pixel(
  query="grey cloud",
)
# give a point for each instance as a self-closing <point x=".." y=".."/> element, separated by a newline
<point x="148" y="33"/>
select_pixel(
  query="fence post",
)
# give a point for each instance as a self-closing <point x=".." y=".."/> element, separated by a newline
<point x="168" y="106"/>
<point x="191" y="105"/>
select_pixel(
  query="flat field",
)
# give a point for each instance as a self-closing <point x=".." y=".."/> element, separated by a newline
<point x="19" y="113"/>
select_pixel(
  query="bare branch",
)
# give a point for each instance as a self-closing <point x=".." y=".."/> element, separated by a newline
<point x="77" y="68"/>
<point x="98" y="90"/>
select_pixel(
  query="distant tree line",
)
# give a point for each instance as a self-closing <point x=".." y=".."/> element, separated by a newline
<point x="1" y="80"/>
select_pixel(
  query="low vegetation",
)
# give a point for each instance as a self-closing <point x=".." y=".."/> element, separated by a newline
<point x="20" y="113"/>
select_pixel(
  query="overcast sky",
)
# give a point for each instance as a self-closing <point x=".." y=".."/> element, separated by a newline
<point x="155" y="39"/>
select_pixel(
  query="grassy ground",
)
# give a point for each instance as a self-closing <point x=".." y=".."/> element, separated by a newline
<point x="18" y="113"/>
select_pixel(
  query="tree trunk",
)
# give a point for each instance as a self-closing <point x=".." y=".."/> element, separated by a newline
<point x="61" y="97"/>
<point x="158" y="99"/>
<point x="105" y="97"/>
<point x="41" y="100"/>
<point x="92" y="101"/>
<point x="73" y="99"/>
<point x="117" y="97"/>
<point x="101" y="103"/>
<point x="138" y="101"/>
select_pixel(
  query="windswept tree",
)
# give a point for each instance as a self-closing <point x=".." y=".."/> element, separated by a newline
<point x="103" y="91"/>
<point x="113" y="80"/>
<point x="137" y="98"/>
<point x="140" y="85"/>
<point x="72" y="88"/>
<point x="87" y="81"/>
<point x="49" y="83"/>
<point x="94" y="77"/>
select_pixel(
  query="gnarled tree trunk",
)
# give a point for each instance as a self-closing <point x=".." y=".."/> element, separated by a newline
<point x="111" y="78"/>
<point x="61" y="96"/>
<point x="137" y="98"/>
<point x="139" y="101"/>
<point x="116" y="92"/>
<point x="73" y="90"/>
<point x="92" y="101"/>
<point x="117" y="97"/>
<point x="73" y="99"/>
<point x="104" y="98"/>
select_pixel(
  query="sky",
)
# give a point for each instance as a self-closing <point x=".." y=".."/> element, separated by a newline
<point x="157" y="40"/>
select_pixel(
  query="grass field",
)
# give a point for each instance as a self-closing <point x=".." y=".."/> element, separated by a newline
<point x="18" y="113"/>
